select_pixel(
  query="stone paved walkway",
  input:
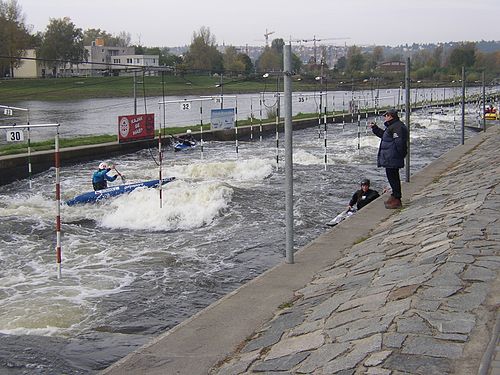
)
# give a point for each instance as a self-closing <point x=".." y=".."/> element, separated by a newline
<point x="419" y="296"/>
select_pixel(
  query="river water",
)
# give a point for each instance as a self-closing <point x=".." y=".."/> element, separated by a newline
<point x="132" y="270"/>
<point x="100" y="116"/>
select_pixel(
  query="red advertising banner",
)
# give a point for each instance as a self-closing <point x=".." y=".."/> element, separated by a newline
<point x="136" y="127"/>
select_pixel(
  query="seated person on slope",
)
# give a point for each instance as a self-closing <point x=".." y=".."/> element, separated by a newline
<point x="100" y="177"/>
<point x="363" y="196"/>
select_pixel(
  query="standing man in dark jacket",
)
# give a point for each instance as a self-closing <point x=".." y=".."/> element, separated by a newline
<point x="392" y="153"/>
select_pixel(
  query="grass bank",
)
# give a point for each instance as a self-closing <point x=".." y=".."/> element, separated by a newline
<point x="53" y="89"/>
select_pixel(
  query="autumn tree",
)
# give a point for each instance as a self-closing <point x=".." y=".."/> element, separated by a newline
<point x="14" y="36"/>
<point x="270" y="60"/>
<point x="236" y="62"/>
<point x="355" y="59"/>
<point x="121" y="40"/>
<point x="203" y="54"/>
<point x="463" y="55"/>
<point x="62" y="43"/>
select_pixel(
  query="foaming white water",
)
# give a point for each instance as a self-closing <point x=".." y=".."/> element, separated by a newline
<point x="238" y="170"/>
<point x="306" y="158"/>
<point x="185" y="206"/>
<point x="27" y="205"/>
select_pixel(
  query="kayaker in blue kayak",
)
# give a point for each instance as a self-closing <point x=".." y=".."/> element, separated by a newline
<point x="100" y="177"/>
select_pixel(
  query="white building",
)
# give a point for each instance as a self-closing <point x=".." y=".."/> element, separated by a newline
<point x="101" y="60"/>
<point x="29" y="68"/>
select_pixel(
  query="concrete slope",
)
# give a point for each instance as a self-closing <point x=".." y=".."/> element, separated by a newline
<point x="284" y="321"/>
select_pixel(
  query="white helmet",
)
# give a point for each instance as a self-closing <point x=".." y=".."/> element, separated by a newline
<point x="188" y="131"/>
<point x="103" y="166"/>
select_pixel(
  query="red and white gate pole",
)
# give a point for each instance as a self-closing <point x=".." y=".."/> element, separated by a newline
<point x="58" y="205"/>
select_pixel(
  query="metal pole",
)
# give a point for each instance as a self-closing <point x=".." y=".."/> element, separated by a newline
<point x="58" y="205"/>
<point x="277" y="127"/>
<point x="287" y="64"/>
<point x="463" y="104"/>
<point x="407" y="117"/>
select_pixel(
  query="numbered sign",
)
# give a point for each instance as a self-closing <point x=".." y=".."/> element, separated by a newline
<point x="7" y="112"/>
<point x="15" y="136"/>
<point x="301" y="99"/>
<point x="185" y="106"/>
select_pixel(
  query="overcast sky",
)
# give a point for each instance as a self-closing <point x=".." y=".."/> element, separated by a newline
<point x="168" y="23"/>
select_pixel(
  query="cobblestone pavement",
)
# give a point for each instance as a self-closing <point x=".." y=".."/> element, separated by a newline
<point x="419" y="296"/>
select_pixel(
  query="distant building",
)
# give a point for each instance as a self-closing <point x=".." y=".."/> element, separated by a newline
<point x="29" y="68"/>
<point x="101" y="60"/>
<point x="106" y="60"/>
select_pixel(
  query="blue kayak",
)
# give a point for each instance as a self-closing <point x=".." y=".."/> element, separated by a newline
<point x="95" y="196"/>
<point x="183" y="146"/>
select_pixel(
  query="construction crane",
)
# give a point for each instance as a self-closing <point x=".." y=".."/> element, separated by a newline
<point x="266" y="35"/>
<point x="314" y="40"/>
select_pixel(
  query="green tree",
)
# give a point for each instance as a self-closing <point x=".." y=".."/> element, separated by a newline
<point x="341" y="63"/>
<point x="169" y="59"/>
<point x="232" y="63"/>
<point x="121" y="40"/>
<point x="14" y="36"/>
<point x="247" y="62"/>
<point x="463" y="55"/>
<point x="437" y="57"/>
<point x="90" y="35"/>
<point x="355" y="59"/>
<point x="270" y="60"/>
<point x="62" y="43"/>
<point x="236" y="62"/>
<point x="203" y="54"/>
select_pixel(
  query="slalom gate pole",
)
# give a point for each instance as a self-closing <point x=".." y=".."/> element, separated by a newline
<point x="325" y="132"/>
<point x="29" y="158"/>
<point x="359" y="131"/>
<point x="260" y="118"/>
<point x="251" y="119"/>
<point x="162" y="124"/>
<point x="319" y="113"/>
<point x="201" y="128"/>
<point x="236" y="125"/>
<point x="366" y="119"/>
<point x="343" y="113"/>
<point x="160" y="160"/>
<point x="58" y="205"/>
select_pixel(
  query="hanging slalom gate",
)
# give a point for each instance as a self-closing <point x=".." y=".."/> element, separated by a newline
<point x="9" y="111"/>
<point x="15" y="134"/>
